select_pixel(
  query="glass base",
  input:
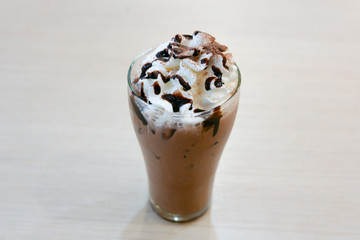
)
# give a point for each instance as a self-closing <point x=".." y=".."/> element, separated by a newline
<point x="176" y="217"/>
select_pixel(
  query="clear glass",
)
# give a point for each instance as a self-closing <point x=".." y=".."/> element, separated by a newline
<point x="181" y="151"/>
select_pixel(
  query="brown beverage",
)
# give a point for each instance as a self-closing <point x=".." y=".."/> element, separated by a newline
<point x="182" y="137"/>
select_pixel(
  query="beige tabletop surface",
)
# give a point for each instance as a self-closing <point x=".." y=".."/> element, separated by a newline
<point x="70" y="164"/>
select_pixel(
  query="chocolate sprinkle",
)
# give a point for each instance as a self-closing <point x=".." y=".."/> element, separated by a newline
<point x="177" y="100"/>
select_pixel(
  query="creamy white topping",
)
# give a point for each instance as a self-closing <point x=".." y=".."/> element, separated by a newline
<point x="189" y="73"/>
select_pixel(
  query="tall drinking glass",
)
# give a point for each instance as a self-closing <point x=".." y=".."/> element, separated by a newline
<point x="181" y="151"/>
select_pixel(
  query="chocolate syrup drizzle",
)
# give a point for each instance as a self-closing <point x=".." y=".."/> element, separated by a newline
<point x="213" y="121"/>
<point x="142" y="94"/>
<point x="155" y="74"/>
<point x="197" y="110"/>
<point x="217" y="71"/>
<point x="163" y="55"/>
<point x="177" y="38"/>
<point x="204" y="61"/>
<point x="144" y="69"/>
<point x="177" y="100"/>
<point x="183" y="83"/>
<point x="218" y="79"/>
<point x="208" y="83"/>
<point x="157" y="88"/>
<point x="189" y="37"/>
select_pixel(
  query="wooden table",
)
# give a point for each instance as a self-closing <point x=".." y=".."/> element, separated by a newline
<point x="70" y="164"/>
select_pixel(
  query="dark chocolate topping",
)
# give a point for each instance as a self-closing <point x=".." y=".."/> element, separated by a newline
<point x="204" y="60"/>
<point x="196" y="52"/>
<point x="182" y="82"/>
<point x="198" y="110"/>
<point x="177" y="38"/>
<point x="217" y="71"/>
<point x="218" y="83"/>
<point x="189" y="37"/>
<point x="208" y="83"/>
<point x="163" y="55"/>
<point x="224" y="63"/>
<point x="157" y="88"/>
<point x="142" y="94"/>
<point x="177" y="100"/>
<point x="155" y="74"/>
<point x="144" y="69"/>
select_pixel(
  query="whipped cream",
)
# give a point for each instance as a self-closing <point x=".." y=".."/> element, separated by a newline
<point x="189" y="73"/>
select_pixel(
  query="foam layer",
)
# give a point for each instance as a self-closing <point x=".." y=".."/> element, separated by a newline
<point x="189" y="73"/>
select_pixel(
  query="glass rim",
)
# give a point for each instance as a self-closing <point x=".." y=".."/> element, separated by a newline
<point x="148" y="50"/>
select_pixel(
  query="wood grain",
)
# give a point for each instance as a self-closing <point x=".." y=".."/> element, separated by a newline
<point x="70" y="164"/>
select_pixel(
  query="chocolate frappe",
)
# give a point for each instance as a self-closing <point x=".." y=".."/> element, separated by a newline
<point x="183" y="99"/>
